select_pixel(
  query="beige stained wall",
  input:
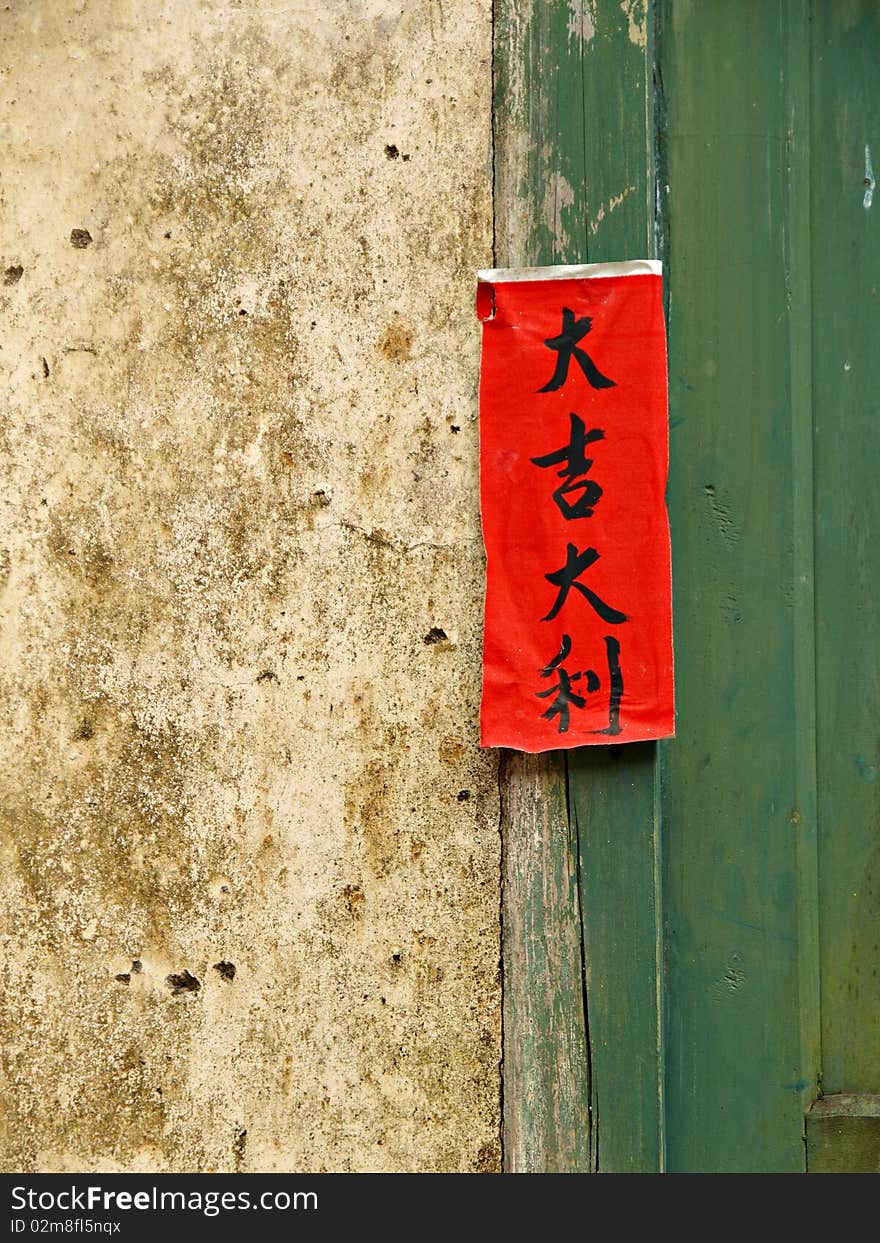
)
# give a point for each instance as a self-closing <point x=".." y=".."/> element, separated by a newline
<point x="241" y="588"/>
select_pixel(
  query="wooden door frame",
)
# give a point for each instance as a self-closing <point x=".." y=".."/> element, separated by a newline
<point x="583" y="1057"/>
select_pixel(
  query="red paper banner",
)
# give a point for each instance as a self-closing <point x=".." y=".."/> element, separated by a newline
<point x="577" y="646"/>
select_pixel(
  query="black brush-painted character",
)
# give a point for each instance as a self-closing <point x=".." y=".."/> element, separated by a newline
<point x="575" y="465"/>
<point x="615" y="676"/>
<point x="566" y="577"/>
<point x="566" y="347"/>
<point x="566" y="698"/>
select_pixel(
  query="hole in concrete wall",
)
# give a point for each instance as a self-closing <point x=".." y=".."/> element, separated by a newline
<point x="183" y="983"/>
<point x="434" y="635"/>
<point x="80" y="238"/>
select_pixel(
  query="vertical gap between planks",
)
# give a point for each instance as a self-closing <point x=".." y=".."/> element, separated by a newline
<point x="570" y="805"/>
<point x="798" y="265"/>
<point x="575" y="848"/>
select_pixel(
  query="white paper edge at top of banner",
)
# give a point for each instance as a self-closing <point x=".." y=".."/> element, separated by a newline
<point x="572" y="271"/>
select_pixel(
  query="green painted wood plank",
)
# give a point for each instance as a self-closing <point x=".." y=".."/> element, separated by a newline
<point x="539" y="133"/>
<point x="846" y="280"/>
<point x="546" y="1122"/>
<point x="797" y="250"/>
<point x="538" y="162"/>
<point x="843" y="1135"/>
<point x="733" y="802"/>
<point x="574" y="183"/>
<point x="611" y="792"/>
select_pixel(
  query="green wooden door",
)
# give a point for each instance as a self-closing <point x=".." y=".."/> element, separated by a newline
<point x="692" y="929"/>
<point x="844" y="1132"/>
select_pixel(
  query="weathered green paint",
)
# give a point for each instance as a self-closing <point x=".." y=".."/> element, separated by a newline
<point x="573" y="158"/>
<point x="713" y="1018"/>
<point x="574" y="183"/>
<point x="843" y="1135"/>
<point x="797" y="241"/>
<point x="737" y="796"/>
<point x="546" y="1058"/>
<point x="846" y="284"/>
<point x="611" y="795"/>
<point x="546" y="1052"/>
<point x="613" y="791"/>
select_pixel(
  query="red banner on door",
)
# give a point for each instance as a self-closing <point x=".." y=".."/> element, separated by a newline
<point x="577" y="646"/>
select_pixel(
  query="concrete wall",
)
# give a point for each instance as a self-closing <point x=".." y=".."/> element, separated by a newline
<point x="249" y="846"/>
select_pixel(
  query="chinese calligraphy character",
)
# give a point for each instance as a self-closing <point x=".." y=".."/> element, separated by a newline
<point x="612" y="651"/>
<point x="566" y="346"/>
<point x="566" y="578"/>
<point x="576" y="465"/>
<point x="566" y="698"/>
